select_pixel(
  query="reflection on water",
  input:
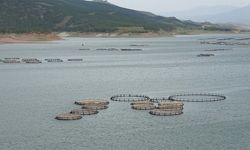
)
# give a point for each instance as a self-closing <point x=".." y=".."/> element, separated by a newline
<point x="32" y="94"/>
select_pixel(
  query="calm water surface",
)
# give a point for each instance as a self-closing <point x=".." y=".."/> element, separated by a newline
<point x="32" y="94"/>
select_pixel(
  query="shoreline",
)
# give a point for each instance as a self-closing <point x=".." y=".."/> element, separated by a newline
<point x="14" y="38"/>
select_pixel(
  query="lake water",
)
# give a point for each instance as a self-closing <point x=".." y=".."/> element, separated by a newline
<point x="33" y="94"/>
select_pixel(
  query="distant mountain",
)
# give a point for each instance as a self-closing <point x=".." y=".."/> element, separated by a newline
<point x="236" y="16"/>
<point x="198" y="13"/>
<point x="82" y="16"/>
<point x="217" y="14"/>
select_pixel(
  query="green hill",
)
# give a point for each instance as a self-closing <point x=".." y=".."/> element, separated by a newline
<point x="77" y="15"/>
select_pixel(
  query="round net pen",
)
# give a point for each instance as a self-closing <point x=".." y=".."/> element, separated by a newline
<point x="165" y="112"/>
<point x="202" y="97"/>
<point x="159" y="99"/>
<point x="92" y="102"/>
<point x="84" y="111"/>
<point x="143" y="107"/>
<point x="68" y="116"/>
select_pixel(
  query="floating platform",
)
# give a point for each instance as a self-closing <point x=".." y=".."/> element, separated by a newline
<point x="68" y="116"/>
<point x="107" y="49"/>
<point x="84" y="111"/>
<point x="31" y="60"/>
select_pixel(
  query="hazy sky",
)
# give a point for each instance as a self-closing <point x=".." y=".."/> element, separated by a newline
<point x="174" y="5"/>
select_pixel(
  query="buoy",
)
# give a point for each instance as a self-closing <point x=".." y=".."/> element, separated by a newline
<point x="84" y="111"/>
<point x="143" y="107"/>
<point x="92" y="102"/>
<point x="68" y="116"/>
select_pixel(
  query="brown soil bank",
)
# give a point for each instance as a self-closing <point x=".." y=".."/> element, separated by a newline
<point x="28" y="37"/>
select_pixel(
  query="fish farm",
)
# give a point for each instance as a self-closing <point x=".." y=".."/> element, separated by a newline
<point x="171" y="106"/>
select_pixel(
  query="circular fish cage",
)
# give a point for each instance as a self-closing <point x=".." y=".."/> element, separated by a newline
<point x="143" y="107"/>
<point x="165" y="112"/>
<point x="204" y="97"/>
<point x="95" y="107"/>
<point x="68" y="116"/>
<point x="92" y="102"/>
<point x="84" y="111"/>
<point x="129" y="98"/>
<point x="171" y="105"/>
<point x="142" y="103"/>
